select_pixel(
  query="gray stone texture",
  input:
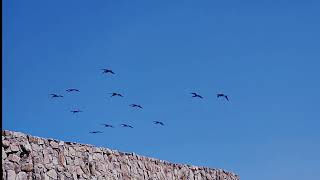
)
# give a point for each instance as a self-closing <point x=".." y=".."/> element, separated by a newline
<point x="27" y="157"/>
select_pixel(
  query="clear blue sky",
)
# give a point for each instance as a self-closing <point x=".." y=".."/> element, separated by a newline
<point x="264" y="54"/>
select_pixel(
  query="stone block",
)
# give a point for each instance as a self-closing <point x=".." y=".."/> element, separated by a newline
<point x="13" y="158"/>
<point x="14" y="148"/>
<point x="11" y="175"/>
<point x="52" y="174"/>
<point x="22" y="176"/>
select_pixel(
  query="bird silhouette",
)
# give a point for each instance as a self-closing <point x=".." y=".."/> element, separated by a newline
<point x="196" y="95"/>
<point x="70" y="90"/>
<point x="107" y="71"/>
<point x="55" y="96"/>
<point x="223" y="95"/>
<point x="136" y="105"/>
<point x="95" y="132"/>
<point x="76" y="111"/>
<point x="158" y="122"/>
<point x="108" y="125"/>
<point x="115" y="94"/>
<point x="126" y="125"/>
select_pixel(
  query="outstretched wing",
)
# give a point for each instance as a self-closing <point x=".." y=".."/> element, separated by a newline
<point x="95" y="132"/>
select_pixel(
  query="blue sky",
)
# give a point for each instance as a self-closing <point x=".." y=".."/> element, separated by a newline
<point x="263" y="54"/>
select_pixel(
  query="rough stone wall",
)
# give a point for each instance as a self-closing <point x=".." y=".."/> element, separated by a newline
<point x="29" y="157"/>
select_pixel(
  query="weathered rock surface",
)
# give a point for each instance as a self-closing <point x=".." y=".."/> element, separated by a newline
<point x="27" y="157"/>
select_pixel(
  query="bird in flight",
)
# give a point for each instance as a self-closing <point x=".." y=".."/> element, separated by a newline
<point x="55" y="96"/>
<point x="108" y="125"/>
<point x="115" y="94"/>
<point x="76" y="111"/>
<point x="136" y="105"/>
<point x="196" y="95"/>
<point x="95" y="132"/>
<point x="223" y="95"/>
<point x="107" y="71"/>
<point x="158" y="122"/>
<point x="71" y="90"/>
<point x="126" y="125"/>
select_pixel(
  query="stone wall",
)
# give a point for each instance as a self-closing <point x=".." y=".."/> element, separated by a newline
<point x="29" y="157"/>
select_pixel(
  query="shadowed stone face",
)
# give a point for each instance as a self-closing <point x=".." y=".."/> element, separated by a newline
<point x="27" y="157"/>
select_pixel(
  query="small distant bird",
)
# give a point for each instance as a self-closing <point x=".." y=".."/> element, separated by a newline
<point x="126" y="125"/>
<point x="223" y="95"/>
<point x="136" y="105"/>
<point x="76" y="111"/>
<point x="95" y="132"/>
<point x="158" y="122"/>
<point x="115" y="94"/>
<point x="70" y="90"/>
<point x="108" y="125"/>
<point x="55" y="96"/>
<point x="107" y="71"/>
<point x="196" y="95"/>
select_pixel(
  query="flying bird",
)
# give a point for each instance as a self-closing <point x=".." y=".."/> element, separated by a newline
<point x="76" y="111"/>
<point x="70" y="90"/>
<point x="55" y="96"/>
<point x="136" y="105"/>
<point x="158" y="122"/>
<point x="126" y="125"/>
<point x="107" y="71"/>
<point x="108" y="125"/>
<point x="115" y="94"/>
<point x="196" y="95"/>
<point x="95" y="132"/>
<point x="223" y="95"/>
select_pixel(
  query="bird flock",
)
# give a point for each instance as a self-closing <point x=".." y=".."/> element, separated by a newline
<point x="115" y="94"/>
